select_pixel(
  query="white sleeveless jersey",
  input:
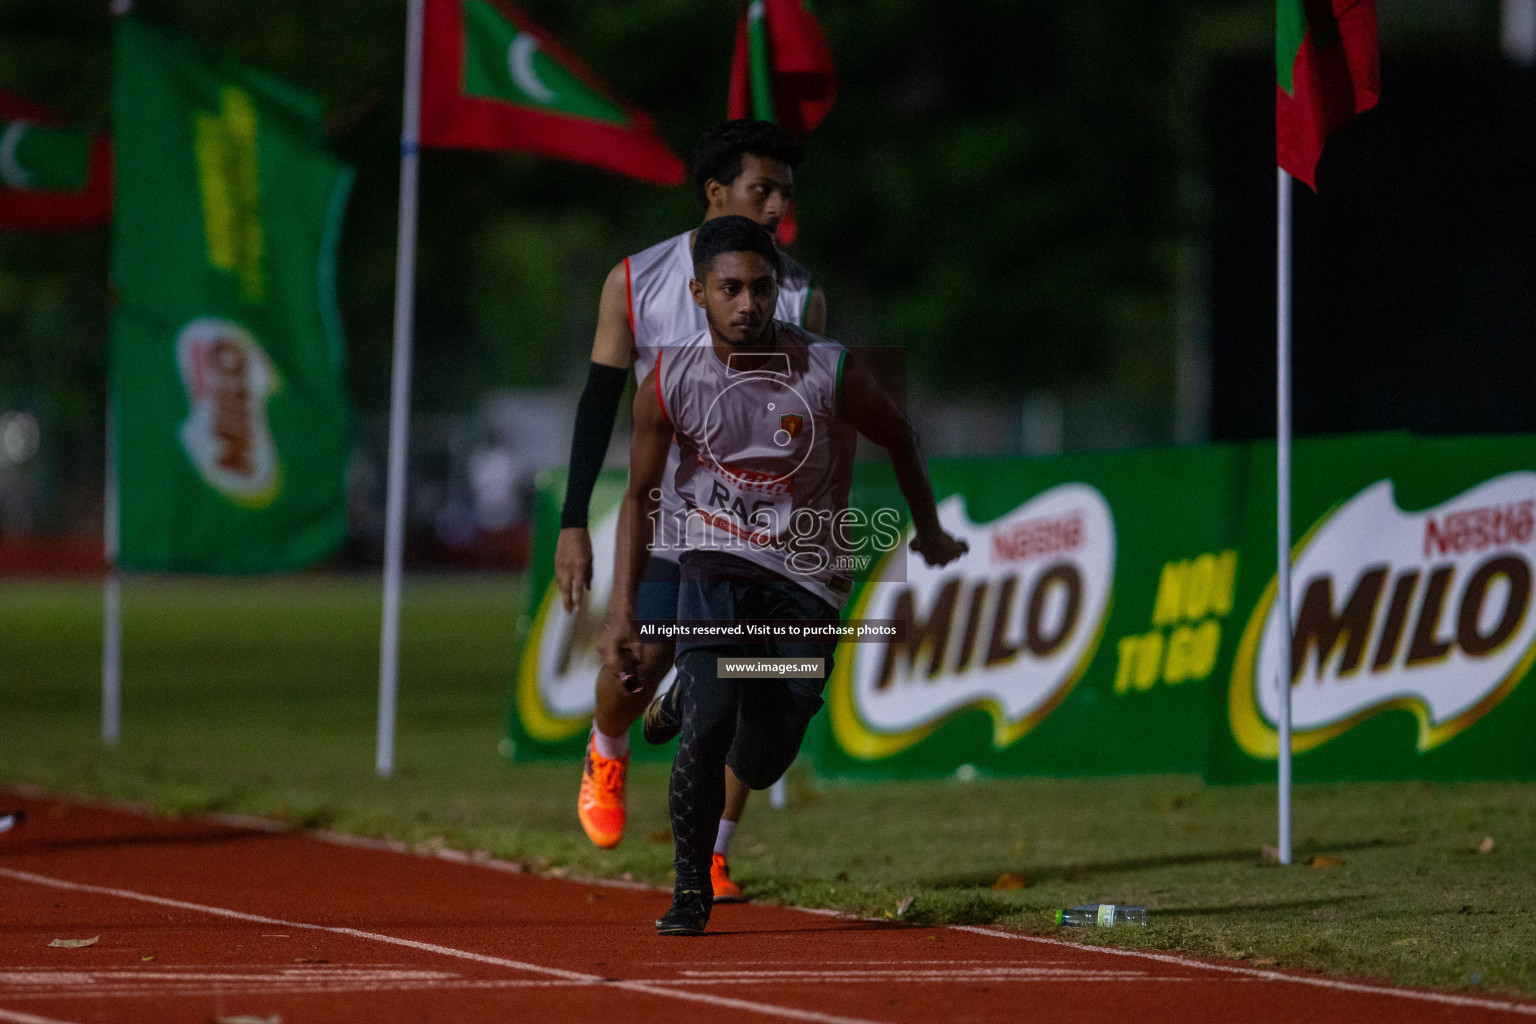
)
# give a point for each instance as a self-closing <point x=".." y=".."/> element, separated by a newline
<point x="765" y="464"/>
<point x="662" y="312"/>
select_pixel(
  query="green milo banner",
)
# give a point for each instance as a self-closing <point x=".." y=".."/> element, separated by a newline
<point x="1116" y="614"/>
<point x="231" y="423"/>
<point x="1412" y="627"/>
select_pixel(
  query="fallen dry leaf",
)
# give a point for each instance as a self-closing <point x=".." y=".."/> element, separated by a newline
<point x="1267" y="961"/>
<point x="145" y="959"/>
<point x="1486" y="846"/>
<point x="1010" y="880"/>
<point x="310" y="960"/>
<point x="74" y="943"/>
<point x="1325" y="862"/>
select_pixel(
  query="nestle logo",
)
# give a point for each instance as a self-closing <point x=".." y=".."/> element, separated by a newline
<point x="1480" y="528"/>
<point x="1037" y="538"/>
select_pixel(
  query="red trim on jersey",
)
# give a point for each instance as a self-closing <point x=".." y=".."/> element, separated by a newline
<point x="660" y="400"/>
<point x="629" y="297"/>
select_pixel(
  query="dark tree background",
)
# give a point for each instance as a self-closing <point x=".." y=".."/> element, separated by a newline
<point x="1017" y="191"/>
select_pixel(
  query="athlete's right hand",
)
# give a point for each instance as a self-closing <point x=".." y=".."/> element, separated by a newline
<point x="620" y="644"/>
<point x="573" y="565"/>
<point x="939" y="547"/>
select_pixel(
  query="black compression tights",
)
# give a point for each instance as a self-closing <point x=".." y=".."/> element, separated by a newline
<point x="754" y="724"/>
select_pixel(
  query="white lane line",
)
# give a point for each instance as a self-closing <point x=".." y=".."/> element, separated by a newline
<point x="16" y="1017"/>
<point x="959" y="975"/>
<point x="394" y="846"/>
<point x="866" y="962"/>
<point x="239" y="915"/>
<point x="1111" y="976"/>
<point x="470" y="984"/>
<point x="787" y="1012"/>
<point x="1444" y="998"/>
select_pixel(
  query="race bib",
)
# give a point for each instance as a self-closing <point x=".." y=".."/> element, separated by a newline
<point x="746" y="504"/>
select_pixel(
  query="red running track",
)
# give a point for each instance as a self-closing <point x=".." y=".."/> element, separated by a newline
<point x="203" y="919"/>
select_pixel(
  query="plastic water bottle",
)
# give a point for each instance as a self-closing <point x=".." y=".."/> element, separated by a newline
<point x="1102" y="915"/>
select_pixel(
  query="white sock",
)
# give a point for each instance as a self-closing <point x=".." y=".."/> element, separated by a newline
<point x="610" y="746"/>
<point x="724" y="836"/>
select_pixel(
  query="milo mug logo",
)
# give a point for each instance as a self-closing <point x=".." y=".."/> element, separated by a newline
<point x="228" y="379"/>
<point x="555" y="692"/>
<point x="1429" y="612"/>
<point x="1009" y="627"/>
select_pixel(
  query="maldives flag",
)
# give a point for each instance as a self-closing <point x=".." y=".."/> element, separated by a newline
<point x="493" y="80"/>
<point x="783" y="68"/>
<point x="52" y="176"/>
<point x="1327" y="70"/>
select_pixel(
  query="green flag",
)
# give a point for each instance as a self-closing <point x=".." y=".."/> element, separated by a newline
<point x="232" y="426"/>
<point x="53" y="176"/>
<point x="1327" y="70"/>
<point x="492" y="79"/>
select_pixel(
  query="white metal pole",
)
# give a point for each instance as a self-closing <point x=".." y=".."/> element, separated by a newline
<point x="1519" y="31"/>
<point x="400" y="395"/>
<point x="112" y="586"/>
<point x="112" y="594"/>
<point x="1283" y="502"/>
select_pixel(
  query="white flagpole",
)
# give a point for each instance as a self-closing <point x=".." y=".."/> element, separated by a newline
<point x="1283" y="502"/>
<point x="112" y="586"/>
<point x="400" y="394"/>
<point x="112" y="595"/>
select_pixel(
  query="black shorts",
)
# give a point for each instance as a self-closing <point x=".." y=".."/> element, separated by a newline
<point x="764" y="718"/>
<point x="721" y="587"/>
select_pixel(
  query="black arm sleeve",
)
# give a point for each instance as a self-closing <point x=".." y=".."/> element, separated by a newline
<point x="589" y="444"/>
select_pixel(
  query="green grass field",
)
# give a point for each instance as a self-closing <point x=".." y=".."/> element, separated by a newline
<point x="259" y="697"/>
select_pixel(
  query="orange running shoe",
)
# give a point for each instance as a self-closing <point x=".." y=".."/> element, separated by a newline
<point x="726" y="891"/>
<point x="601" y="803"/>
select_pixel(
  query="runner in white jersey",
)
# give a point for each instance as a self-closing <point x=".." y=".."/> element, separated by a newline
<point x="662" y="313"/>
<point x="762" y="462"/>
<point x="765" y="416"/>
<point x="740" y="168"/>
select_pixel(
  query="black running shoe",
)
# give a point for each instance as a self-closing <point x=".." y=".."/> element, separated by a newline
<point x="663" y="717"/>
<point x="689" y="913"/>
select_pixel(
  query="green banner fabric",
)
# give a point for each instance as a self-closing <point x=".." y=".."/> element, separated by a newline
<point x="232" y="429"/>
<point x="1412" y="629"/>
<point x="1115" y="613"/>
<point x="556" y="674"/>
<point x="1078" y="636"/>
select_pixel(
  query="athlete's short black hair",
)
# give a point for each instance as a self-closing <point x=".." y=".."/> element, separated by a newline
<point x="733" y="234"/>
<point x="718" y="155"/>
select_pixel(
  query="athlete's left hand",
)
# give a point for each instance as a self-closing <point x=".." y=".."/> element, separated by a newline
<point x="939" y="548"/>
<point x="573" y="565"/>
